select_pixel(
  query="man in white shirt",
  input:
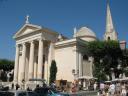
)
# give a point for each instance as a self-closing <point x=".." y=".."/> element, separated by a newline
<point x="112" y="89"/>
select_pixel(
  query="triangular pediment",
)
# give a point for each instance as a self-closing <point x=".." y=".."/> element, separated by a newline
<point x="26" y="29"/>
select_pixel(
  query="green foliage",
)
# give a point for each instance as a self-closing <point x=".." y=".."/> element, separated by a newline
<point x="126" y="71"/>
<point x="101" y="48"/>
<point x="6" y="65"/>
<point x="107" y="51"/>
<point x="53" y="71"/>
<point x="99" y="72"/>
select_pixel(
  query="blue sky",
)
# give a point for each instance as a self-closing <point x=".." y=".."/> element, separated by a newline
<point x="59" y="15"/>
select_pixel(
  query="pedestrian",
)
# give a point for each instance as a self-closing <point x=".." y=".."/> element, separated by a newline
<point x="12" y="86"/>
<point x="123" y="90"/>
<point x="112" y="89"/>
<point x="118" y="88"/>
<point x="28" y="89"/>
<point x="53" y="85"/>
<point x="101" y="87"/>
<point x="73" y="88"/>
<point x="95" y="86"/>
<point x="17" y="86"/>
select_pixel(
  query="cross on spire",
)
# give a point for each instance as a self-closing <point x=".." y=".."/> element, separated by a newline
<point x="107" y="1"/>
<point x="27" y="19"/>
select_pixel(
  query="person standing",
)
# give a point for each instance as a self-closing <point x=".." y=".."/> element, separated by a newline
<point x="12" y="86"/>
<point x="102" y="87"/>
<point x="118" y="88"/>
<point x="17" y="86"/>
<point x="112" y="89"/>
<point x="95" y="86"/>
<point x="123" y="90"/>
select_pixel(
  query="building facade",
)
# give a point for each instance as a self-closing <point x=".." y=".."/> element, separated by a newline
<point x="37" y="46"/>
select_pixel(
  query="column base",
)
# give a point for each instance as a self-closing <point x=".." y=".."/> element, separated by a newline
<point x="31" y="75"/>
<point x="39" y="75"/>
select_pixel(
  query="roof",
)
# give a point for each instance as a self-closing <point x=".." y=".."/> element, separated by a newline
<point x="29" y="28"/>
<point x="85" y="32"/>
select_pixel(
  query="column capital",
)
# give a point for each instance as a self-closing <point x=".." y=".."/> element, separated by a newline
<point x="40" y="39"/>
<point x="24" y="43"/>
<point x="32" y="41"/>
<point x="17" y="45"/>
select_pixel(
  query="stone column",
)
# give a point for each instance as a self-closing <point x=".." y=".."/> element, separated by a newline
<point x="23" y="62"/>
<point x="50" y="58"/>
<point x="46" y="71"/>
<point x="31" y="60"/>
<point x="16" y="64"/>
<point x="80" y="65"/>
<point x="91" y="59"/>
<point x="40" y="59"/>
<point x="77" y="64"/>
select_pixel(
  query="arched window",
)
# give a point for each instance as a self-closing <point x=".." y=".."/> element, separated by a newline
<point x="109" y="38"/>
<point x="85" y="57"/>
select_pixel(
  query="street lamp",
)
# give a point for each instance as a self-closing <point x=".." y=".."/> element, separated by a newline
<point x="119" y="69"/>
<point x="112" y="74"/>
<point x="123" y="48"/>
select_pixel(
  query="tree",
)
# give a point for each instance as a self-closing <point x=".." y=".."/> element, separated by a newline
<point x="53" y="71"/>
<point x="6" y="65"/>
<point x="106" y="55"/>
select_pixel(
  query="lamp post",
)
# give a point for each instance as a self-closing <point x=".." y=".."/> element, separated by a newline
<point x="119" y="68"/>
<point x="112" y="74"/>
<point x="123" y="48"/>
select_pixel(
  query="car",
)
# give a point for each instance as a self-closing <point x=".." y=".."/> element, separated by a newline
<point x="47" y="91"/>
<point x="18" y="93"/>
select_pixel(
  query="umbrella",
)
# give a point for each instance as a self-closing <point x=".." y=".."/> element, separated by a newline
<point x="37" y="79"/>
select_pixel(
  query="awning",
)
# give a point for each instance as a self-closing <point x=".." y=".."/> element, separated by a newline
<point x="86" y="77"/>
<point x="36" y="79"/>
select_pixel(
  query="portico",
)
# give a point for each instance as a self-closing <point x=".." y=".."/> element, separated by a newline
<point x="26" y="53"/>
<point x="33" y="50"/>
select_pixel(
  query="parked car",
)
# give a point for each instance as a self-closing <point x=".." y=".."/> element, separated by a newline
<point x="18" y="93"/>
<point x="47" y="91"/>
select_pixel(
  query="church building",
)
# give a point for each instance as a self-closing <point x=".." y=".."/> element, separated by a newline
<point x="37" y="46"/>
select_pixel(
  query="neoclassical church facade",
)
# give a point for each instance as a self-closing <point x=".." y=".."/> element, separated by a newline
<point x="37" y="46"/>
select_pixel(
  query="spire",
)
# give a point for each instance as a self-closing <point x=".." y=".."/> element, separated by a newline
<point x="27" y="19"/>
<point x="109" y="22"/>
<point x="110" y="33"/>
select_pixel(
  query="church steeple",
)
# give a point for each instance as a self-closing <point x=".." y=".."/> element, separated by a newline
<point x="110" y="33"/>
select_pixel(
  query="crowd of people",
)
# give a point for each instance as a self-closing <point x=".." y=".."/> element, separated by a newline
<point x="113" y="88"/>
